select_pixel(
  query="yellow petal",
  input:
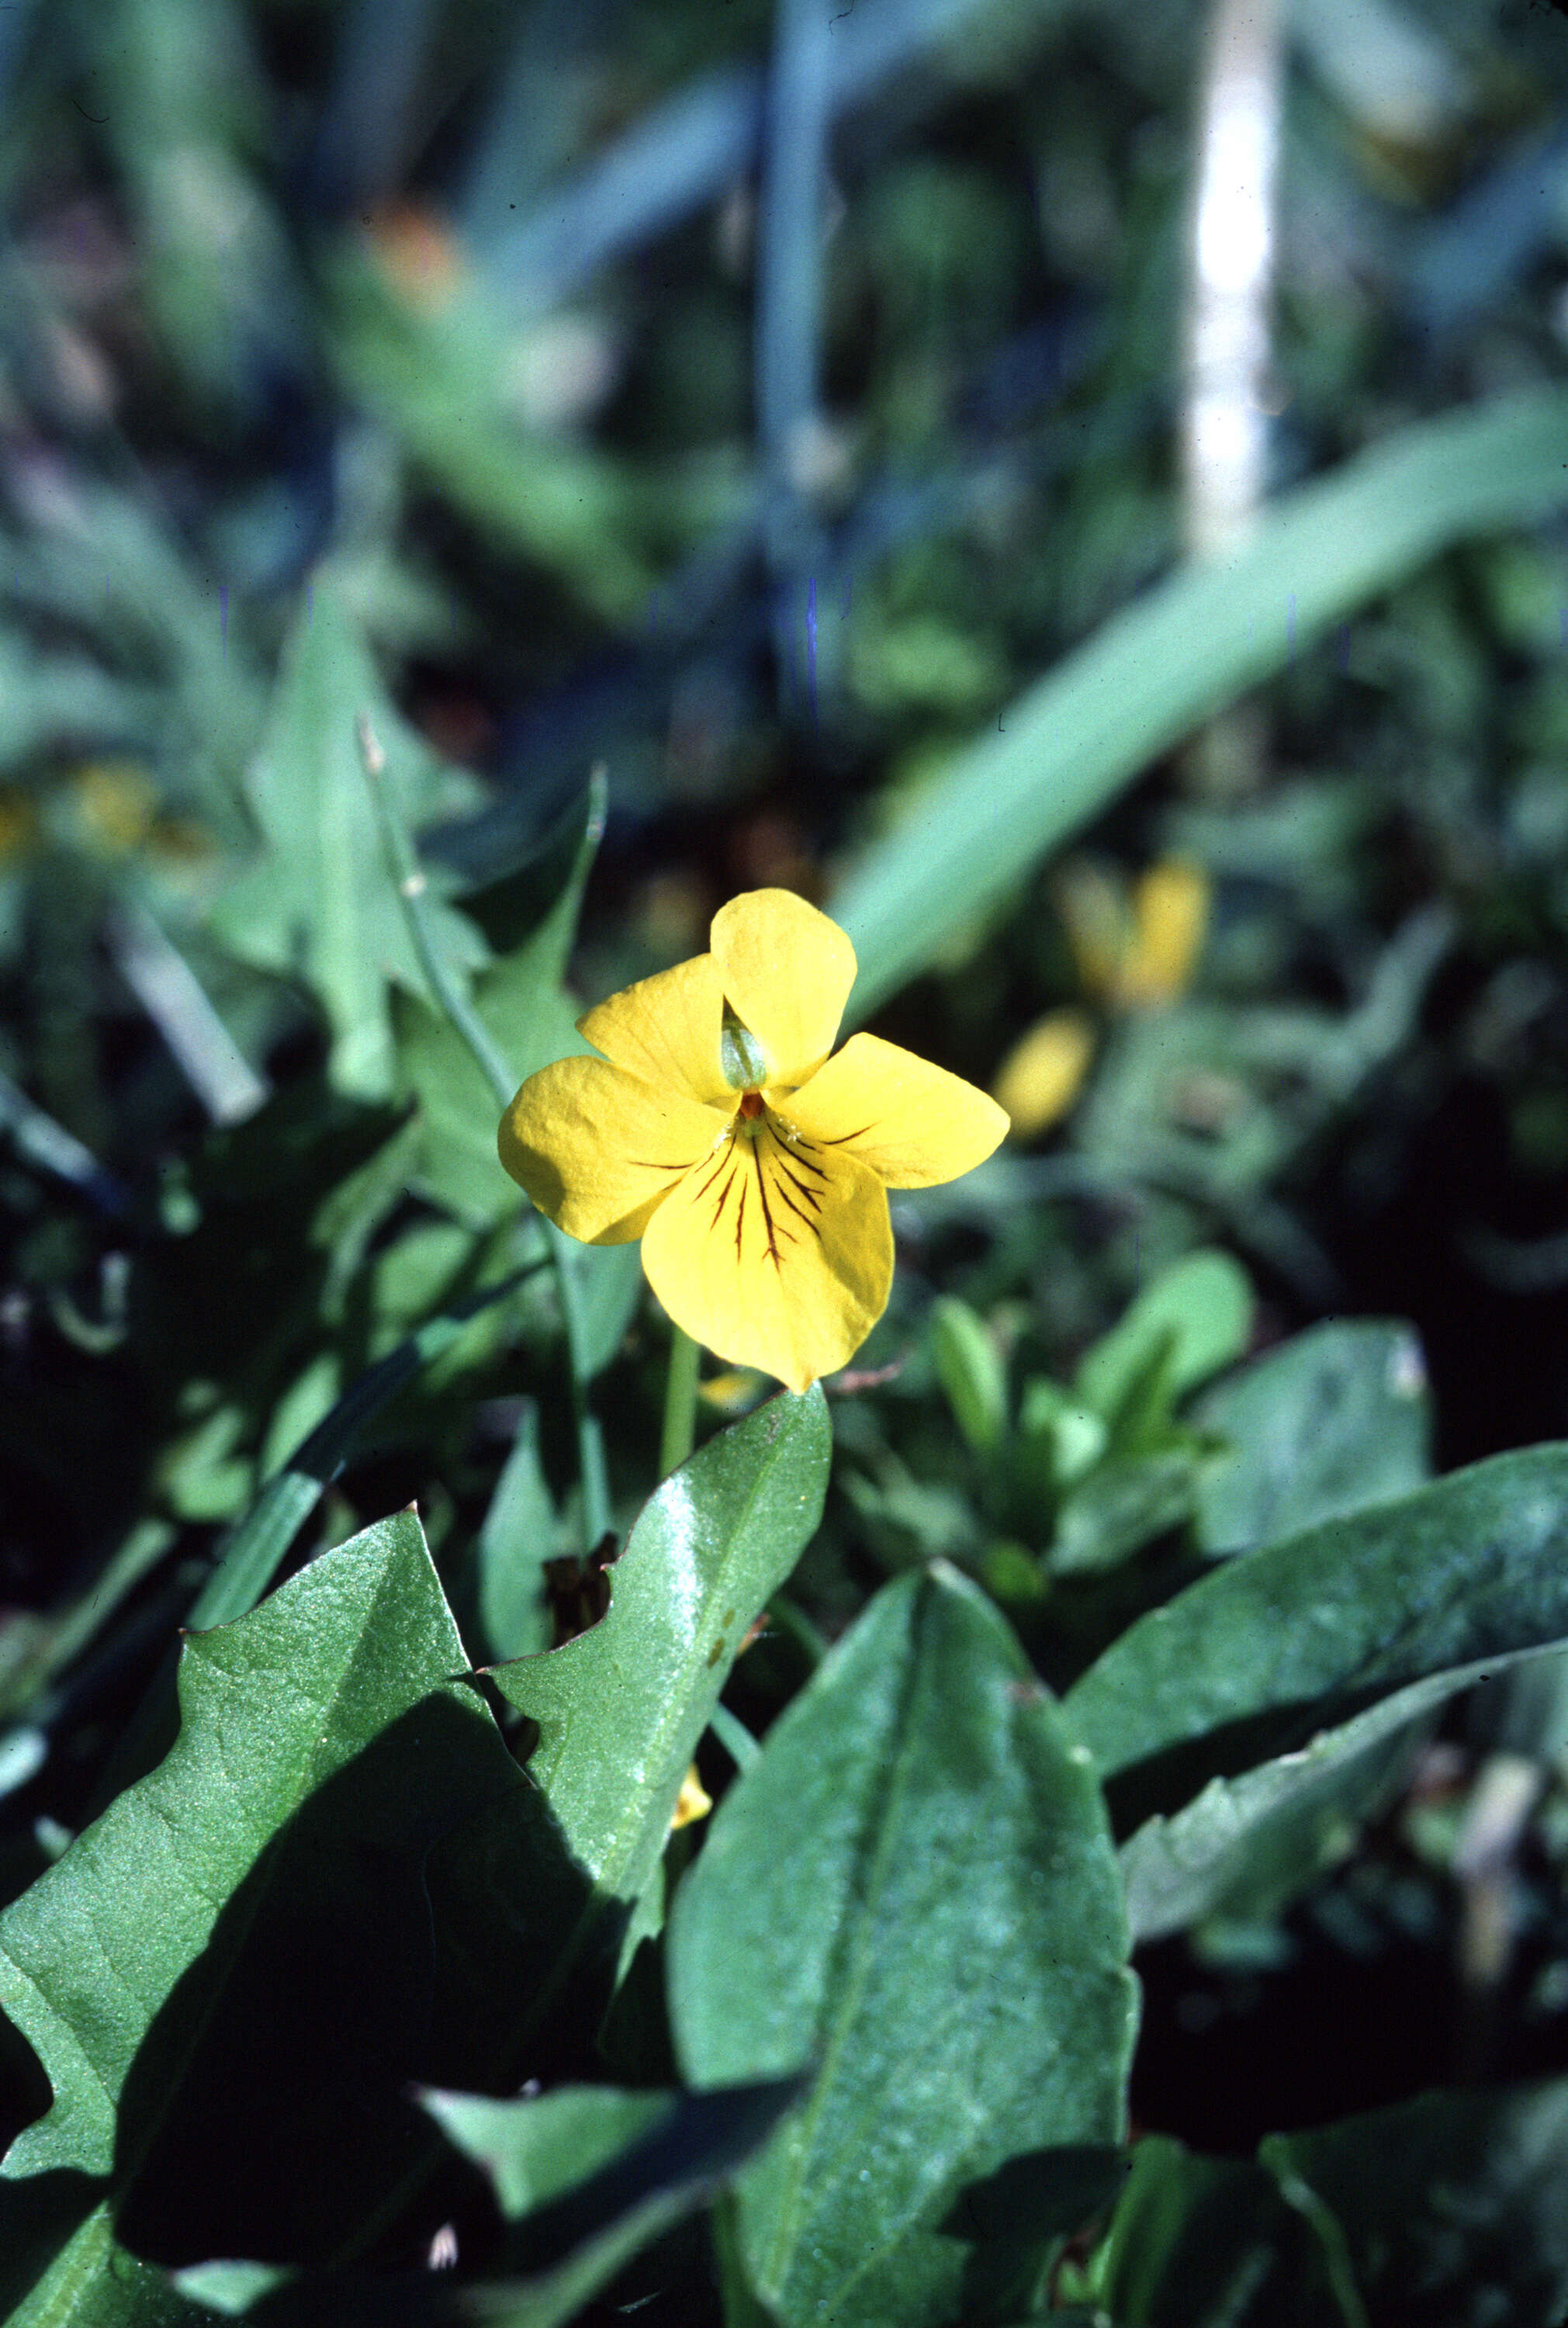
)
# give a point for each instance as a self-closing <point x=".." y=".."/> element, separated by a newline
<point x="597" y="1149"/>
<point x="775" y="1255"/>
<point x="786" y="973"/>
<point x="693" y="1802"/>
<point x="1170" y="919"/>
<point x="1042" y="1074"/>
<point x="666" y="1029"/>
<point x="912" y="1123"/>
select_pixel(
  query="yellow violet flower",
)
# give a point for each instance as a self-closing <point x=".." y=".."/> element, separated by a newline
<point x="1044" y="1071"/>
<point x="1138" y="953"/>
<point x="1169" y="922"/>
<point x="754" y="1166"/>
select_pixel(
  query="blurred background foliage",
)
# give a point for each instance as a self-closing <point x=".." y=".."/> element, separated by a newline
<point x="510" y="369"/>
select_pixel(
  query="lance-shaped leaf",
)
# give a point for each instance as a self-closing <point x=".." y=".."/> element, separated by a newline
<point x="320" y="904"/>
<point x="338" y="1881"/>
<point x="620" y="1709"/>
<point x="913" y="1893"/>
<point x="1257" y="1658"/>
<point x="1246" y="1845"/>
<point x="587" y="2174"/>
<point x="1175" y="656"/>
<point x="532" y="917"/>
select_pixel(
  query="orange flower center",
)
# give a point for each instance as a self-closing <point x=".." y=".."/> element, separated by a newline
<point x="751" y="1103"/>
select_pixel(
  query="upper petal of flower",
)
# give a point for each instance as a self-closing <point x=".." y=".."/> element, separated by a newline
<point x="912" y="1123"/>
<point x="666" y="1029"/>
<point x="774" y="1256"/>
<point x="599" y="1150"/>
<point x="787" y="972"/>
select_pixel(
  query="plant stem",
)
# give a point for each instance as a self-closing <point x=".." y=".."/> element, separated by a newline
<point x="675" y="1441"/>
<point x="734" y="1736"/>
<point x="492" y="1064"/>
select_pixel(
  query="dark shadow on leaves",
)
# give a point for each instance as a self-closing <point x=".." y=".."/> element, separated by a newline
<point x="1040" y="2194"/>
<point x="392" y="1934"/>
<point x="38" y="2214"/>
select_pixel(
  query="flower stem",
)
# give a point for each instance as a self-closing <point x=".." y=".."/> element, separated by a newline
<point x="675" y="1441"/>
<point x="492" y="1062"/>
<point x="734" y="1736"/>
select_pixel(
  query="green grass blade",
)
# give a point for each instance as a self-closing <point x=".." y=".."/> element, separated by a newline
<point x="1177" y="655"/>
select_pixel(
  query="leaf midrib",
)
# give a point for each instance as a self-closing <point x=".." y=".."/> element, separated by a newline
<point x="622" y="1845"/>
<point x="887" y="1810"/>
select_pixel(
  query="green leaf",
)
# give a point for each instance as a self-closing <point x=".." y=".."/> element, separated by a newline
<point x="970" y="1370"/>
<point x="620" y="1709"/>
<point x="1449" y="2209"/>
<point x="441" y="383"/>
<point x="684" y="2158"/>
<point x="1058" y="1438"/>
<point x="1268" y="1650"/>
<point x="912" y="1889"/>
<point x="1122" y="1506"/>
<point x="1166" y="664"/>
<point x="534" y="2149"/>
<point x="519" y="999"/>
<point x="1209" y="2243"/>
<point x="587" y="2175"/>
<point x="196" y="1966"/>
<point x="91" y="2281"/>
<point x="1246" y="1845"/>
<point x="231" y="2286"/>
<point x="567" y="2165"/>
<point x="1332" y="1421"/>
<point x="1195" y="1316"/>
<point x="521" y="1532"/>
<point x="322" y="905"/>
<point x="609" y="1282"/>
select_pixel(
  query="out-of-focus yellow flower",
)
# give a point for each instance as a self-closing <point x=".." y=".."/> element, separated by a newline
<point x="1169" y="922"/>
<point x="1132" y="953"/>
<point x="18" y="823"/>
<point x="1042" y="1074"/>
<point x="1136" y="952"/>
<point x="733" y="1391"/>
<point x="117" y="802"/>
<point x="692" y="1802"/>
<point x="754" y="1166"/>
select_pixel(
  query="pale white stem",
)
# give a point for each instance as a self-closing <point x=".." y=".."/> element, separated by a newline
<point x="168" y="989"/>
<point x="1225" y="408"/>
